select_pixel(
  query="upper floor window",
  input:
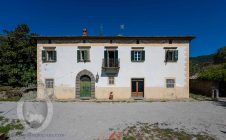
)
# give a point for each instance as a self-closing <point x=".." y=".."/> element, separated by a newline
<point x="49" y="55"/>
<point x="83" y="55"/>
<point x="111" y="57"/>
<point x="137" y="55"/>
<point x="170" y="83"/>
<point x="49" y="83"/>
<point x="171" y="55"/>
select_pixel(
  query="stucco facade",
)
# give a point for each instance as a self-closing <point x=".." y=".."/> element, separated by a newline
<point x="154" y="71"/>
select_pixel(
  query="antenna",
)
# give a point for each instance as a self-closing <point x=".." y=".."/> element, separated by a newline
<point x="101" y="30"/>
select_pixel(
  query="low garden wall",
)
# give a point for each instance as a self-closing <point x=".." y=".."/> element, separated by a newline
<point x="203" y="87"/>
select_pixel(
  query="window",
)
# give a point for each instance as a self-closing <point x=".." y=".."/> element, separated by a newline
<point x="83" y="55"/>
<point x="137" y="55"/>
<point x="111" y="80"/>
<point x="111" y="57"/>
<point x="49" y="83"/>
<point x="170" y="83"/>
<point x="171" y="55"/>
<point x="49" y="55"/>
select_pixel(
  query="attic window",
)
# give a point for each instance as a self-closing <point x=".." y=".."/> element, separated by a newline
<point x="84" y="41"/>
<point x="170" y="41"/>
<point x="138" y="41"/>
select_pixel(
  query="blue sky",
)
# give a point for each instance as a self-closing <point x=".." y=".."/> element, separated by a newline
<point x="205" y="19"/>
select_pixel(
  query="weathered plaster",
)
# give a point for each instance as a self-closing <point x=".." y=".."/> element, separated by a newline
<point x="65" y="71"/>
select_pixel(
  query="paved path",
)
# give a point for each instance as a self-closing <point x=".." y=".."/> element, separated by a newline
<point x="90" y="120"/>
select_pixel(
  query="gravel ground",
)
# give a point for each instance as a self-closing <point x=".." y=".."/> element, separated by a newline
<point x="90" y="120"/>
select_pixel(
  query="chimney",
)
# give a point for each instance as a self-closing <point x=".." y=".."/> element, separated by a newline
<point x="84" y="32"/>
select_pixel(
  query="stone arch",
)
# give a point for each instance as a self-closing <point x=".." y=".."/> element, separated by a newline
<point x="77" y="83"/>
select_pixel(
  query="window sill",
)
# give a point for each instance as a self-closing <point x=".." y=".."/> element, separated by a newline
<point x="137" y="61"/>
<point x="84" y="61"/>
<point x="49" y="62"/>
<point x="170" y="61"/>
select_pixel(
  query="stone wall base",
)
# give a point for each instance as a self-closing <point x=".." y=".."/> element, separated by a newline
<point x="120" y="93"/>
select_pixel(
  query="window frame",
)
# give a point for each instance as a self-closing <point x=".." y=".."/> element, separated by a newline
<point x="46" y="83"/>
<point x="111" y="80"/>
<point x="174" y="54"/>
<point x="82" y="50"/>
<point x="47" y="50"/>
<point x="170" y="85"/>
<point x="137" y="54"/>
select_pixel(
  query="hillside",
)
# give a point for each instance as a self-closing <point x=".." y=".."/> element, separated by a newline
<point x="199" y="62"/>
<point x="211" y="67"/>
<point x="204" y="59"/>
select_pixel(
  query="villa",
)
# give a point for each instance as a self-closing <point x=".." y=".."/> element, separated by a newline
<point x="113" y="67"/>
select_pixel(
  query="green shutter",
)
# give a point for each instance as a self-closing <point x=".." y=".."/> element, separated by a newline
<point x="54" y="56"/>
<point x="116" y="54"/>
<point x="105" y="54"/>
<point x="116" y="57"/>
<point x="43" y="56"/>
<point x="85" y="55"/>
<point x="132" y="55"/>
<point x="166" y="55"/>
<point x="88" y="55"/>
<point x="78" y="56"/>
<point x="175" y="55"/>
<point x="143" y="55"/>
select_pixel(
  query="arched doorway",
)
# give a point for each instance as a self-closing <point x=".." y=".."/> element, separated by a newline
<point x="85" y="85"/>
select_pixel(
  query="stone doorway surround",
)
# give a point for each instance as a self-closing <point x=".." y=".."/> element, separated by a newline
<point x="77" y="83"/>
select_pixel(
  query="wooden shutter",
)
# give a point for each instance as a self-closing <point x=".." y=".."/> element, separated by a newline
<point x="175" y="55"/>
<point x="132" y="55"/>
<point x="143" y="55"/>
<point x="78" y="56"/>
<point x="166" y="55"/>
<point x="88" y="55"/>
<point x="105" y="54"/>
<point x="43" y="56"/>
<point x="116" y="54"/>
<point x="54" y="56"/>
<point x="85" y="55"/>
<point x="105" y="58"/>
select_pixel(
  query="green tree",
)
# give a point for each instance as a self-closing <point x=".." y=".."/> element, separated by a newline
<point x="18" y="57"/>
<point x="220" y="56"/>
<point x="217" y="73"/>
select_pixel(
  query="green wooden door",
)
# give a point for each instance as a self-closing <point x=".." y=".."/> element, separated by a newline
<point x="85" y="87"/>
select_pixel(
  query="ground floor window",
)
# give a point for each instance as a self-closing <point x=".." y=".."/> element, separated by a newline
<point x="170" y="83"/>
<point x="111" y="80"/>
<point x="49" y="83"/>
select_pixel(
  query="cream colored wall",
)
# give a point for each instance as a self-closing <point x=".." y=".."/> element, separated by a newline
<point x="153" y="70"/>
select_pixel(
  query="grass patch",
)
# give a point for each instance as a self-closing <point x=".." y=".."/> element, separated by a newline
<point x="7" y="125"/>
<point x="12" y="99"/>
<point x="147" y="131"/>
<point x="200" y="97"/>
